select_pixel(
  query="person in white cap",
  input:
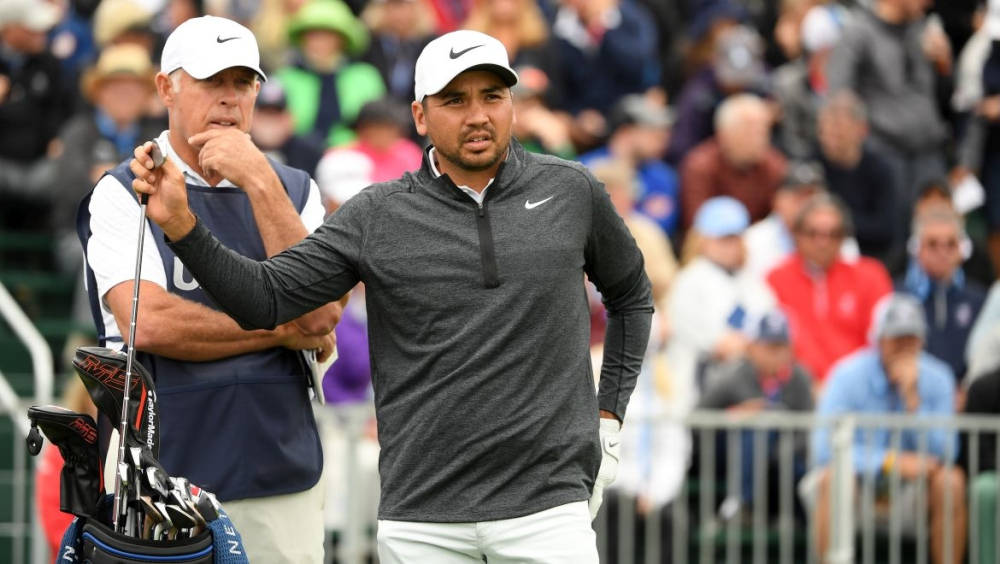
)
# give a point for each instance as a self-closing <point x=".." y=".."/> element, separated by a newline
<point x="234" y="403"/>
<point x="496" y="446"/>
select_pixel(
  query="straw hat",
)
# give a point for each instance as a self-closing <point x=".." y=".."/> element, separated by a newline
<point x="115" y="17"/>
<point x="118" y="61"/>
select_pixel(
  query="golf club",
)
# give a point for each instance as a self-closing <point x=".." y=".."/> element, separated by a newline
<point x="123" y="427"/>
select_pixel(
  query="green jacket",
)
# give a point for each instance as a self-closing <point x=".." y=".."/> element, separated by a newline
<point x="357" y="83"/>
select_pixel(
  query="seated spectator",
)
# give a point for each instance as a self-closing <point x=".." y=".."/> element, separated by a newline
<point x="800" y="84"/>
<point x="984" y="399"/>
<point x="538" y="127"/>
<point x="857" y="174"/>
<point x="736" y="67"/>
<point x="769" y="241"/>
<point x="117" y="90"/>
<point x="325" y="88"/>
<point x="828" y="300"/>
<point x="766" y="378"/>
<point x="381" y="152"/>
<point x="400" y="31"/>
<point x="604" y="49"/>
<point x="274" y="133"/>
<point x="951" y="303"/>
<point x="893" y="61"/>
<point x="739" y="161"/>
<point x="894" y="376"/>
<point x="711" y="295"/>
<point x="936" y="194"/>
<point x="640" y="132"/>
<point x="34" y="103"/>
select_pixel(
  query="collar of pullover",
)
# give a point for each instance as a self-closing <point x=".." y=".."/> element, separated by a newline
<point x="510" y="169"/>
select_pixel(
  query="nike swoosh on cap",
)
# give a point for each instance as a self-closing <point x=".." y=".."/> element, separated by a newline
<point x="455" y="55"/>
<point x="219" y="38"/>
<point x="529" y="206"/>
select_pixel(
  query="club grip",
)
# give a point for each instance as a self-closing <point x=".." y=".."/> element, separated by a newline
<point x="143" y="199"/>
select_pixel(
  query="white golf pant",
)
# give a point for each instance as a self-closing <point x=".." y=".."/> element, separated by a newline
<point x="560" y="535"/>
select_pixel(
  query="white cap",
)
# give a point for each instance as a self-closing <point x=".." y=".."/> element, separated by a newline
<point x="343" y="173"/>
<point x="454" y="53"/>
<point x="822" y="27"/>
<point x="207" y="45"/>
<point x="36" y="15"/>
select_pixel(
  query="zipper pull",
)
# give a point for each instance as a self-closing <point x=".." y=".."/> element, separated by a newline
<point x="481" y="212"/>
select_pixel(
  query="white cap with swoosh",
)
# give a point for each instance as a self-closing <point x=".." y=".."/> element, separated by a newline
<point x="454" y="53"/>
<point x="207" y="45"/>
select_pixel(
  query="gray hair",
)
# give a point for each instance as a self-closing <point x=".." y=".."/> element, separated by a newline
<point x="846" y="101"/>
<point x="938" y="215"/>
<point x="825" y="200"/>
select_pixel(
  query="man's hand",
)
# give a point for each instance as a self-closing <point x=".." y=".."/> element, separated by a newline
<point x="291" y="337"/>
<point x="610" y="454"/>
<point x="903" y="372"/>
<point x="168" y="204"/>
<point x="230" y="154"/>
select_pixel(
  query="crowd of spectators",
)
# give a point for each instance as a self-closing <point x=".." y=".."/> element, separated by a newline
<point x="791" y="161"/>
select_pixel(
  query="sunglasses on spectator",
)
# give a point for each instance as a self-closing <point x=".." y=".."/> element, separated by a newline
<point x="944" y="244"/>
<point x="813" y="233"/>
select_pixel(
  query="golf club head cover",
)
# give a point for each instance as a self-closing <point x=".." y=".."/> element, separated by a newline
<point x="103" y="373"/>
<point x="105" y="546"/>
<point x="81" y="483"/>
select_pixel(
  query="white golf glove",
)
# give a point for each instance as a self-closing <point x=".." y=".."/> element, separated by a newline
<point x="610" y="454"/>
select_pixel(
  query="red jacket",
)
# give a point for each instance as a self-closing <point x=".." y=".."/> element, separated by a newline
<point x="829" y="315"/>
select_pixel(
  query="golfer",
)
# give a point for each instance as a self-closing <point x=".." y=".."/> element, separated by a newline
<point x="492" y="434"/>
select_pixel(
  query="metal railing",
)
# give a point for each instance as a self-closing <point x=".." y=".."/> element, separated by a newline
<point x="708" y="523"/>
<point x="11" y="406"/>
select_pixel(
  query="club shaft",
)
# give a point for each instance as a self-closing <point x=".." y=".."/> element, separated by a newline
<point x="130" y="356"/>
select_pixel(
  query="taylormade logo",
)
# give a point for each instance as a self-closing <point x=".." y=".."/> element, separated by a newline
<point x="150" y="419"/>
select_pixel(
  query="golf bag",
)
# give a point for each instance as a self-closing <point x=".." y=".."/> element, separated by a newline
<point x="161" y="519"/>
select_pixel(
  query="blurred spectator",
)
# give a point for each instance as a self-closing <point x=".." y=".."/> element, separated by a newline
<point x="270" y="27"/>
<point x="800" y="84"/>
<point x="604" y="49"/>
<point x="788" y="29"/>
<point x="858" y="174"/>
<point x="449" y="14"/>
<point x="519" y="25"/>
<point x="711" y="295"/>
<point x="894" y="60"/>
<point x="538" y="128"/>
<point x="274" y="133"/>
<point x="124" y="21"/>
<point x="117" y="90"/>
<point x="739" y="161"/>
<point x="640" y="132"/>
<point x="983" y="346"/>
<point x="770" y="241"/>
<point x="349" y="379"/>
<point x="400" y="30"/>
<point x="957" y="16"/>
<point x="736" y="68"/>
<point x="325" y="88"/>
<point x="984" y="399"/>
<point x="34" y="102"/>
<point x="828" y="300"/>
<point x="381" y="152"/>
<point x="657" y="454"/>
<point x="709" y="22"/>
<point x="766" y="378"/>
<point x="620" y="180"/>
<point x="988" y="111"/>
<point x="895" y="376"/>
<point x="935" y="195"/>
<point x="938" y="247"/>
